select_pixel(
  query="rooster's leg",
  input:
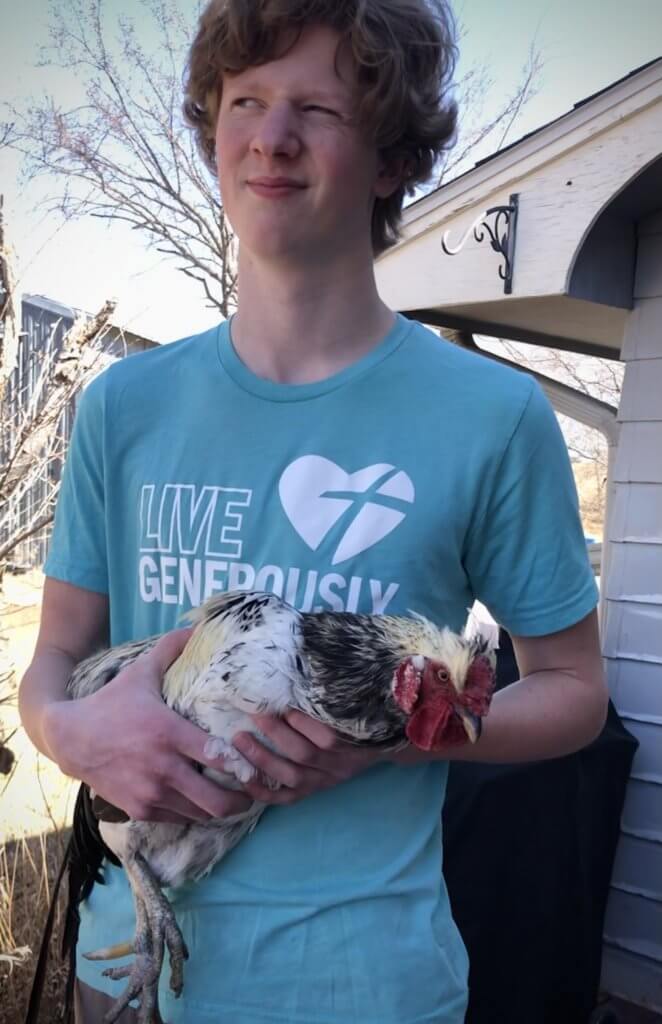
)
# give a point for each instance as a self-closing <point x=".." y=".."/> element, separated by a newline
<point x="163" y="924"/>
<point x="156" y="927"/>
<point x="143" y="973"/>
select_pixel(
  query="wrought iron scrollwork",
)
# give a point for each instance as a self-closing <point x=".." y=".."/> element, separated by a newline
<point x="501" y="232"/>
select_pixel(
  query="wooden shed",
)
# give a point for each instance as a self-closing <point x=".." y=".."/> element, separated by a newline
<point x="557" y="241"/>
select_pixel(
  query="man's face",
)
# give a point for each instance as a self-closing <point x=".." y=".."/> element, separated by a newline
<point x="297" y="179"/>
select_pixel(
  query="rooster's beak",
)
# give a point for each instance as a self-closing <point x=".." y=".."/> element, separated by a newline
<point x="472" y="724"/>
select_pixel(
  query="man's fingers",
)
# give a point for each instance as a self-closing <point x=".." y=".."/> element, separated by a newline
<point x="317" y="733"/>
<point x="265" y="795"/>
<point x="206" y="795"/>
<point x="293" y="775"/>
<point x="189" y="739"/>
<point x="164" y="815"/>
<point x="219" y="802"/>
<point x="288" y="742"/>
<point x="182" y="809"/>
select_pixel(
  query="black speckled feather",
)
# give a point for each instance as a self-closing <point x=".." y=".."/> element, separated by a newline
<point x="350" y="670"/>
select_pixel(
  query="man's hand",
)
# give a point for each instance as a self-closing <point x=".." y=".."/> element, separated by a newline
<point x="134" y="751"/>
<point x="311" y="756"/>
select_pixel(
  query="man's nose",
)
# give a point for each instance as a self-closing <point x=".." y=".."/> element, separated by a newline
<point x="277" y="133"/>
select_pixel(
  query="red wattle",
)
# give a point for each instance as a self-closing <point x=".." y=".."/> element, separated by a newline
<point x="429" y="724"/>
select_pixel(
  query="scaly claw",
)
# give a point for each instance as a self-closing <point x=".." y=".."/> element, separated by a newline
<point x="156" y="930"/>
<point x="117" y="973"/>
<point x="143" y="975"/>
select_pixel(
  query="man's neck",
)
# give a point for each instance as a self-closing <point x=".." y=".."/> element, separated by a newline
<point x="301" y="325"/>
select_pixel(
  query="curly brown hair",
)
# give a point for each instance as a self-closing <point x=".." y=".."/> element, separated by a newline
<point x="404" y="52"/>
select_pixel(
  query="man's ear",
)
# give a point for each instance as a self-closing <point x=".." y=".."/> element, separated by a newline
<point x="391" y="174"/>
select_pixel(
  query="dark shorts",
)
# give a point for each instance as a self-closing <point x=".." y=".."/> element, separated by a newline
<point x="91" y="1005"/>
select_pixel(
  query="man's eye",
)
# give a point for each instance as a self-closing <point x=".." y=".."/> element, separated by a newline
<point x="244" y="101"/>
<point x="316" y="108"/>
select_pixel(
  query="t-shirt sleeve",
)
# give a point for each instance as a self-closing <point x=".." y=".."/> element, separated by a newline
<point x="77" y="551"/>
<point x="526" y="555"/>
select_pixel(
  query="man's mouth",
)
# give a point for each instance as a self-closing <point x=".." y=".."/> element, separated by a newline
<point x="274" y="187"/>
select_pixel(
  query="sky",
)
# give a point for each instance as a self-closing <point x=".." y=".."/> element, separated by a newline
<point x="585" y="45"/>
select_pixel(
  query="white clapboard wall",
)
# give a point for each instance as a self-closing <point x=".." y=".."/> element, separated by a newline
<point x="633" y="639"/>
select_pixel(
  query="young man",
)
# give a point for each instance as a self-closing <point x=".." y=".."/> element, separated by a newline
<point x="325" y="448"/>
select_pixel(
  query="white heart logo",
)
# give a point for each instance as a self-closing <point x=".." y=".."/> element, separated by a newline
<point x="315" y="493"/>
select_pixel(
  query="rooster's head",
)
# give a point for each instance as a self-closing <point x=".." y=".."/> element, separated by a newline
<point x="445" y="698"/>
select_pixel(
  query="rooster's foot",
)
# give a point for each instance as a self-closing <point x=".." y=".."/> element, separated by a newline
<point x="143" y="983"/>
<point x="156" y="928"/>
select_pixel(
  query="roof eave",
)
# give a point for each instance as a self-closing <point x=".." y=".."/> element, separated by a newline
<point x="537" y="148"/>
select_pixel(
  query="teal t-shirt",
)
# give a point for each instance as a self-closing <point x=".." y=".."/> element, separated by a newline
<point x="417" y="479"/>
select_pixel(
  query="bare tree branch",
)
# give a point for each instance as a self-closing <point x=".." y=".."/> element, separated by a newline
<point x="35" y="413"/>
<point x="526" y="91"/>
<point x="125" y="153"/>
<point x="474" y="130"/>
<point x="29" y="531"/>
<point x="6" y="133"/>
<point x="600" y="378"/>
<point x="8" y="326"/>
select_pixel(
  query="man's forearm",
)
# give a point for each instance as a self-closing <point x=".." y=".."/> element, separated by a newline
<point x="558" y="706"/>
<point x="546" y="714"/>
<point x="43" y="685"/>
<point x="74" y="622"/>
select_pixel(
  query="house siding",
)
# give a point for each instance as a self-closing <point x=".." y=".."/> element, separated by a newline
<point x="632" y="640"/>
<point x="37" y="324"/>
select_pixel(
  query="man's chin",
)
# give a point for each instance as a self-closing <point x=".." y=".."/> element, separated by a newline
<point x="284" y="246"/>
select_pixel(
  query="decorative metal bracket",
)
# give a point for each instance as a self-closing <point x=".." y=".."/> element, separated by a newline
<point x="501" y="232"/>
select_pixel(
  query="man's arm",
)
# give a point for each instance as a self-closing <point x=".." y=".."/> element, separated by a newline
<point x="558" y="706"/>
<point x="74" y="623"/>
<point x="123" y="740"/>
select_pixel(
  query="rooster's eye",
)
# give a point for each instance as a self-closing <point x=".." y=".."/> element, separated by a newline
<point x="443" y="675"/>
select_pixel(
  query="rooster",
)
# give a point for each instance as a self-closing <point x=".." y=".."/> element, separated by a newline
<point x="377" y="680"/>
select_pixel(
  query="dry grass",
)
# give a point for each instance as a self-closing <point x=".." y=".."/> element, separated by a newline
<point x="35" y="810"/>
<point x="28" y="867"/>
